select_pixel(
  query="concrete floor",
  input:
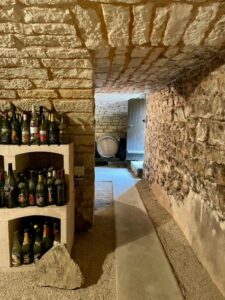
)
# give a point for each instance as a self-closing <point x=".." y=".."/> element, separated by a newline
<point x="142" y="269"/>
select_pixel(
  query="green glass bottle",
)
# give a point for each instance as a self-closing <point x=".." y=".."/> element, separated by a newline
<point x="53" y="131"/>
<point x="47" y="241"/>
<point x="5" y="130"/>
<point x="40" y="192"/>
<point x="16" y="256"/>
<point x="60" y="188"/>
<point x="23" y="199"/>
<point x="10" y="189"/>
<point x="32" y="189"/>
<point x="51" y="189"/>
<point x="37" y="248"/>
<point x="34" y="128"/>
<point x="56" y="233"/>
<point x="63" y="131"/>
<point x="43" y="130"/>
<point x="15" y="128"/>
<point x="2" y="183"/>
<point x="26" y="248"/>
<point x="25" y="130"/>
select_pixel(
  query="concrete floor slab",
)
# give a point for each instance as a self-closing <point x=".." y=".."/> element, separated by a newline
<point x="142" y="269"/>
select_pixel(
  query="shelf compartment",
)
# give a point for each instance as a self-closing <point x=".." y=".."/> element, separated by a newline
<point x="20" y="156"/>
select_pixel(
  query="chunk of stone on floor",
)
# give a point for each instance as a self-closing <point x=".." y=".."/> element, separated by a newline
<point x="57" y="269"/>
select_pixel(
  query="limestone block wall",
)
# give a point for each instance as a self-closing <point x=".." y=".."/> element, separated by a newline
<point x="43" y="61"/>
<point x="185" y="161"/>
<point x="111" y="118"/>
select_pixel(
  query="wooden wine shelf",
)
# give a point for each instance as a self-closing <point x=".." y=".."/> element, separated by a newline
<point x="21" y="158"/>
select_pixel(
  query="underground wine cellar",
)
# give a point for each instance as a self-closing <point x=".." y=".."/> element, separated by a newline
<point x="11" y="218"/>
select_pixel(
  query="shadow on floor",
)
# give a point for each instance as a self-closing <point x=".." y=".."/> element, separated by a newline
<point x="91" y="248"/>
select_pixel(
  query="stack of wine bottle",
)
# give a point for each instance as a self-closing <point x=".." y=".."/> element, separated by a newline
<point x="36" y="238"/>
<point x="32" y="187"/>
<point x="32" y="128"/>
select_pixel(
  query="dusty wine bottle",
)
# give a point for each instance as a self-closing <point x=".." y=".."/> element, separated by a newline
<point x="56" y="234"/>
<point x="60" y="189"/>
<point x="40" y="192"/>
<point x="53" y="131"/>
<point x="47" y="241"/>
<point x="10" y="188"/>
<point x="5" y="132"/>
<point x="26" y="248"/>
<point x="37" y="248"/>
<point x="23" y="191"/>
<point x="51" y="189"/>
<point x="43" y="130"/>
<point x="34" y="128"/>
<point x="16" y="257"/>
<point x="25" y="131"/>
<point x="15" y="129"/>
<point x="63" y="131"/>
<point x="32" y="189"/>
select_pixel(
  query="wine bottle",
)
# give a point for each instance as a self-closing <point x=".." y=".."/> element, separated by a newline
<point x="47" y="241"/>
<point x="51" y="189"/>
<point x="25" y="130"/>
<point x="60" y="189"/>
<point x="2" y="196"/>
<point x="5" y="130"/>
<point x="15" y="128"/>
<point x="56" y="234"/>
<point x="40" y="192"/>
<point x="10" y="188"/>
<point x="34" y="128"/>
<point x="53" y="131"/>
<point x="37" y="248"/>
<point x="63" y="131"/>
<point x="43" y="130"/>
<point x="23" y="200"/>
<point x="32" y="189"/>
<point x="16" y="256"/>
<point x="26" y="248"/>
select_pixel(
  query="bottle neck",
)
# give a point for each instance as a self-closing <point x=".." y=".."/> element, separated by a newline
<point x="46" y="231"/>
<point x="40" y="178"/>
<point x="26" y="238"/>
<point x="10" y="171"/>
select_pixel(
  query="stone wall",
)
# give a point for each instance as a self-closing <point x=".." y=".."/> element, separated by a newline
<point x="185" y="160"/>
<point x="44" y="61"/>
<point x="111" y="118"/>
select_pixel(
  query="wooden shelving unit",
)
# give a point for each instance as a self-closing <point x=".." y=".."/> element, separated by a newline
<point x="22" y="157"/>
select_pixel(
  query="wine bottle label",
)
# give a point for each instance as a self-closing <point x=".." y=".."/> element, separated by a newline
<point x="9" y="196"/>
<point x="22" y="199"/>
<point x="14" y="136"/>
<point x="27" y="258"/>
<point x="16" y="261"/>
<point x="32" y="199"/>
<point x="33" y="130"/>
<point x="51" y="195"/>
<point x="5" y="135"/>
<point x="37" y="256"/>
<point x="5" y="130"/>
<point x="25" y="137"/>
<point x="43" y="136"/>
<point x="40" y="199"/>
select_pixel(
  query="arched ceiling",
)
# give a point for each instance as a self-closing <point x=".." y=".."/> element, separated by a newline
<point x="133" y="45"/>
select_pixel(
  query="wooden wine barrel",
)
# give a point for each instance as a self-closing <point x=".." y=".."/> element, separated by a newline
<point x="107" y="146"/>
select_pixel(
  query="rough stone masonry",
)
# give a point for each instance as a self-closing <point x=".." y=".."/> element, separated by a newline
<point x="56" y="52"/>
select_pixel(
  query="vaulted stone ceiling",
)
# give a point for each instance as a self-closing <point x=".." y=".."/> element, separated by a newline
<point x="131" y="44"/>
